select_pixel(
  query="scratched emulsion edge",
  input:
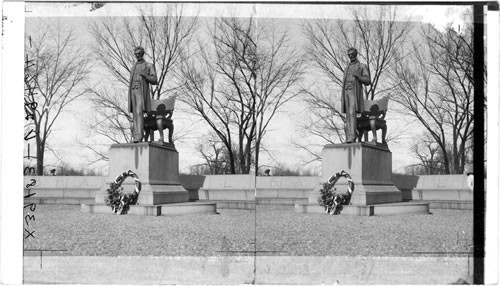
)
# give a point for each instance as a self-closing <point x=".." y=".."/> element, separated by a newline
<point x="491" y="262"/>
<point x="11" y="143"/>
<point x="30" y="108"/>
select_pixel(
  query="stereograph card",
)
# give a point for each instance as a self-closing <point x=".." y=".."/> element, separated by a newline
<point x="249" y="143"/>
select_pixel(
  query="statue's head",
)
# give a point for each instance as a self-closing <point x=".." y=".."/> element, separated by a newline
<point x="352" y="53"/>
<point x="139" y="52"/>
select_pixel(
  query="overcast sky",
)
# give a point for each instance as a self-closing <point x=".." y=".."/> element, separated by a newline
<point x="70" y="128"/>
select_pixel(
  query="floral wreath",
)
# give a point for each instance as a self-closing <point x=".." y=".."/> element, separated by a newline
<point x="118" y="201"/>
<point x="330" y="199"/>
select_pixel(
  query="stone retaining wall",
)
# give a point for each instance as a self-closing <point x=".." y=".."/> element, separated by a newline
<point x="76" y="189"/>
<point x="442" y="188"/>
<point x="286" y="187"/>
<point x="242" y="187"/>
<point x="228" y="187"/>
<point x="82" y="189"/>
<point x="64" y="186"/>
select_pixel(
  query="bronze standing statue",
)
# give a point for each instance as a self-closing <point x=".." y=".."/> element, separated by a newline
<point x="139" y="95"/>
<point x="355" y="75"/>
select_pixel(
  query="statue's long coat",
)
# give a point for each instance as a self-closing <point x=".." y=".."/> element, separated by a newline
<point x="362" y="70"/>
<point x="150" y="78"/>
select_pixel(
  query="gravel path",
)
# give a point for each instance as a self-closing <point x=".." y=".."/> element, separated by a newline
<point x="278" y="231"/>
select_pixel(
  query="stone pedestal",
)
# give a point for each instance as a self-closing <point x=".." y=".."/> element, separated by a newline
<point x="157" y="167"/>
<point x="370" y="167"/>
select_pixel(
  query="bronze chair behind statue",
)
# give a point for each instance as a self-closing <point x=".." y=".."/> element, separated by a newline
<point x="372" y="119"/>
<point x="159" y="118"/>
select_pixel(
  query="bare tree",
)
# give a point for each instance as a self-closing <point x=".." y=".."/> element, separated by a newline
<point x="435" y="85"/>
<point x="59" y="68"/>
<point x="240" y="79"/>
<point x="378" y="36"/>
<point x="166" y="41"/>
<point x="215" y="154"/>
<point x="324" y="120"/>
<point x="428" y="152"/>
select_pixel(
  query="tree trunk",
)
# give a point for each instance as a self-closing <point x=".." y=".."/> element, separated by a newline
<point x="456" y="154"/>
<point x="462" y="157"/>
<point x="231" y="161"/>
<point x="257" y="147"/>
<point x="248" y="156"/>
<point x="40" y="148"/>
<point x="241" y="154"/>
<point x="446" y="163"/>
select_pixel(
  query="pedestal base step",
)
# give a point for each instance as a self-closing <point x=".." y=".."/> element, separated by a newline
<point x="280" y="201"/>
<point x="157" y="210"/>
<point x="250" y="205"/>
<point x="454" y="205"/>
<point x="371" y="210"/>
<point x="239" y="205"/>
<point x="58" y="201"/>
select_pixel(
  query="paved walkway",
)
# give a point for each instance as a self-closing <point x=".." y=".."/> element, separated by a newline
<point x="244" y="270"/>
